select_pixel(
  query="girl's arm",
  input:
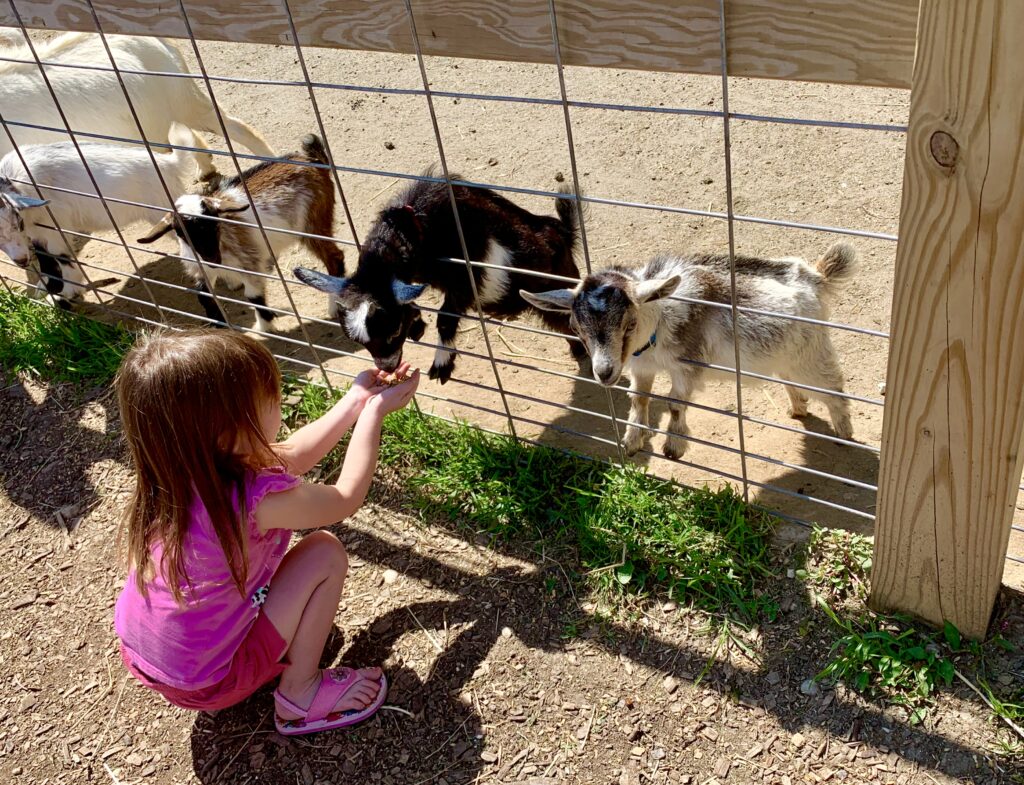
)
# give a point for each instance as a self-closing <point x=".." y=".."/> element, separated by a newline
<point x="307" y="446"/>
<point x="312" y="506"/>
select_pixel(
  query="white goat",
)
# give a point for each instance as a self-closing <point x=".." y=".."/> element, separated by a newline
<point x="122" y="173"/>
<point x="93" y="100"/>
<point x="628" y="321"/>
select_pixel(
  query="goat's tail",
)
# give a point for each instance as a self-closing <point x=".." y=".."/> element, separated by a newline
<point x="313" y="148"/>
<point x="837" y="265"/>
<point x="568" y="214"/>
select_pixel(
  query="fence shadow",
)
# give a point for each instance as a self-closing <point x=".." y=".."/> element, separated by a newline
<point x="47" y="453"/>
<point x="445" y="732"/>
<point x="837" y="459"/>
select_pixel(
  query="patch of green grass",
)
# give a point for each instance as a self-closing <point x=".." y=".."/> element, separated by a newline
<point x="626" y="530"/>
<point x="56" y="345"/>
<point x="838" y="565"/>
<point x="893" y="661"/>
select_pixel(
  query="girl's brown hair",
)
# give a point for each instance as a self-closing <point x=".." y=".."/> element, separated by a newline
<point x="187" y="399"/>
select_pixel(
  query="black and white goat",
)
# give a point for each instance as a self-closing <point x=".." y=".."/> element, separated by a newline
<point x="627" y="322"/>
<point x="405" y="252"/>
<point x="295" y="198"/>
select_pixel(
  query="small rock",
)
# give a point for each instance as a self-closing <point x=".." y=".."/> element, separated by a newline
<point x="670" y="606"/>
<point x="707" y="181"/>
<point x="671" y="684"/>
<point x="492" y="161"/>
<point x="27" y="703"/>
<point x="658" y="753"/>
<point x="307" y="774"/>
<point x="149" y="771"/>
<point x="16" y="771"/>
<point x="797" y="740"/>
<point x="488" y="757"/>
<point x="774" y="677"/>
<point x="637" y="752"/>
<point x="389" y="145"/>
<point x="809" y="687"/>
<point x="380" y="626"/>
<point x="722" y="768"/>
<point x="24" y="600"/>
<point x="390" y="576"/>
<point x="133" y="759"/>
<point x="506" y="632"/>
<point x="559" y="177"/>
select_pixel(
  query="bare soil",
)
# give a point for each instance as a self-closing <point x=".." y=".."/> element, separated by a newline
<point x="502" y="670"/>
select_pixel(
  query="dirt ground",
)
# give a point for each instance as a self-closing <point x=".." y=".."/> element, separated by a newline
<point x="501" y="672"/>
<point x="822" y="176"/>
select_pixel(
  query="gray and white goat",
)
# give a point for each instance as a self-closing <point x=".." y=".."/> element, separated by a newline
<point x="627" y="321"/>
<point x="287" y="194"/>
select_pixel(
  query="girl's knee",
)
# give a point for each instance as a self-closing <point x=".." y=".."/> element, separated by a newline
<point x="330" y="551"/>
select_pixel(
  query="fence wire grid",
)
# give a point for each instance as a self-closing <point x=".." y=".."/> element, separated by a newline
<point x="591" y="421"/>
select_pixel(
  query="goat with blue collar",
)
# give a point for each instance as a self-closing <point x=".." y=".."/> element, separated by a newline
<point x="673" y="315"/>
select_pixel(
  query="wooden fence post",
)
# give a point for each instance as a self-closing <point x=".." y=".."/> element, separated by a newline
<point x="951" y="457"/>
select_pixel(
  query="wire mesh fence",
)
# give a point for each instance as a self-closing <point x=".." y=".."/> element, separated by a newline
<point x="514" y="375"/>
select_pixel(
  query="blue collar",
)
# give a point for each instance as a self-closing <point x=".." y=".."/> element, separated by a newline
<point x="652" y="341"/>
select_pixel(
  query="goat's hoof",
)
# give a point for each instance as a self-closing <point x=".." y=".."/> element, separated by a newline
<point x="441" y="372"/>
<point x="674" y="450"/>
<point x="798" y="414"/>
<point x="843" y="429"/>
<point x="631" y="445"/>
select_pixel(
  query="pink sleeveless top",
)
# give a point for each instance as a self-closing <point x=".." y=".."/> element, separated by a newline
<point x="190" y="646"/>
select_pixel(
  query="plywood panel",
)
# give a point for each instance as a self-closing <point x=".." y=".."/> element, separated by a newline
<point x="868" y="42"/>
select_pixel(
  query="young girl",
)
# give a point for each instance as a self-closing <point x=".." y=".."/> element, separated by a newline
<point x="215" y="605"/>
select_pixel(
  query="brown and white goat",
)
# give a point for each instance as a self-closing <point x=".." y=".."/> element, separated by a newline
<point x="287" y="196"/>
<point x="630" y="320"/>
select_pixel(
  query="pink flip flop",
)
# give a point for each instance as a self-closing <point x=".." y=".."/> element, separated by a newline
<point x="334" y="683"/>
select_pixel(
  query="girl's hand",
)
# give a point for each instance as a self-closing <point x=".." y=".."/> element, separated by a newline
<point x="390" y="399"/>
<point x="365" y="386"/>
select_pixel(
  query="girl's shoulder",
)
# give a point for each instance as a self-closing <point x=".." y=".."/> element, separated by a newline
<point x="265" y="481"/>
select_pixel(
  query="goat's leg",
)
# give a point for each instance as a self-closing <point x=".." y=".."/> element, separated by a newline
<point x="210" y="306"/>
<point x="797" y="402"/>
<point x="675" y="444"/>
<point x="823" y="370"/>
<point x="204" y="161"/>
<point x="639" y="411"/>
<point x="447" y="327"/>
<point x="255" y="294"/>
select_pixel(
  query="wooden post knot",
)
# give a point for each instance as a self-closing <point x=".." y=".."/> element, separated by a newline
<point x="945" y="149"/>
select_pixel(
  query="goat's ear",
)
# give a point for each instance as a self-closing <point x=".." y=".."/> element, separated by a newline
<point x="325" y="283"/>
<point x="406" y="292"/>
<point x="159" y="230"/>
<point x="23" y="202"/>
<point x="218" y="205"/>
<point x="555" y="300"/>
<point x="655" y="289"/>
<point x="405" y="220"/>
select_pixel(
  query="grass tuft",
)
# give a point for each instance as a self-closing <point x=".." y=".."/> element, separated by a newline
<point x="49" y="343"/>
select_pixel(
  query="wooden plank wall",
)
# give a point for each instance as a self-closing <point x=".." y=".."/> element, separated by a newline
<point x="954" y="410"/>
<point x="869" y="42"/>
